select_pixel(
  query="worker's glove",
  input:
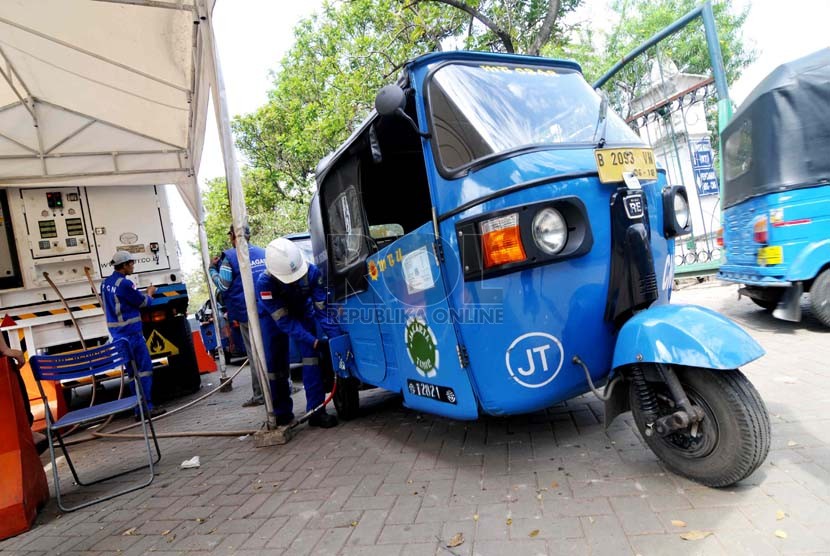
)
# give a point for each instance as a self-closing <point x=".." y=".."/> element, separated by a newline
<point x="322" y="345"/>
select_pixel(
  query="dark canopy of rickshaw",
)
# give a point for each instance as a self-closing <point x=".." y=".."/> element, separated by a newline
<point x="779" y="139"/>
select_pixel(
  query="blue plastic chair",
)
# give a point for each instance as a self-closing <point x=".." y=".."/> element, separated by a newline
<point x="85" y="363"/>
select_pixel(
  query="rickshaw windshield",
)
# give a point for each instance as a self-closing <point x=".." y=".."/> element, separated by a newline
<point x="479" y="111"/>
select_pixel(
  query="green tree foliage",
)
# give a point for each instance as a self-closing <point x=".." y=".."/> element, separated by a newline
<point x="197" y="292"/>
<point x="639" y="20"/>
<point x="326" y="83"/>
<point x="269" y="215"/>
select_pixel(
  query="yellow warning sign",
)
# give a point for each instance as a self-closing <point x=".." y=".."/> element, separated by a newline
<point x="160" y="346"/>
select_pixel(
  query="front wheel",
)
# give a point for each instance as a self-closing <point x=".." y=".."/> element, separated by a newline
<point x="730" y="442"/>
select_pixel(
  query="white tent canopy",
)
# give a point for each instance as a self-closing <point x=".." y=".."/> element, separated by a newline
<point x="102" y="92"/>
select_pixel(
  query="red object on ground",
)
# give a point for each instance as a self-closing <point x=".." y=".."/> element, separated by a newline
<point x="23" y="486"/>
<point x="203" y="359"/>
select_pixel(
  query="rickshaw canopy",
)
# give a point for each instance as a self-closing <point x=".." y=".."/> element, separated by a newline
<point x="778" y="138"/>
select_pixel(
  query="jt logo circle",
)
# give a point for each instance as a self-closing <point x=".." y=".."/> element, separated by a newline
<point x="534" y="359"/>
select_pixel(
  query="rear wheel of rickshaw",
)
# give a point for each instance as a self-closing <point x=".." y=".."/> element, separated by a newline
<point x="731" y="441"/>
<point x="347" y="398"/>
<point x="766" y="304"/>
<point x="820" y="297"/>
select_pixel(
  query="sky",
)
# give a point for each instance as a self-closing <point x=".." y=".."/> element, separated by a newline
<point x="253" y="35"/>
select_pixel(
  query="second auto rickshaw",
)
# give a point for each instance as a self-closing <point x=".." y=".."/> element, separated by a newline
<point x="776" y="203"/>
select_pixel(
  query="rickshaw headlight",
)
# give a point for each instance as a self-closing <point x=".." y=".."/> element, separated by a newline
<point x="550" y="231"/>
<point x="681" y="210"/>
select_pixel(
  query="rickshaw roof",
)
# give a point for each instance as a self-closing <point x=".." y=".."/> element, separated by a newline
<point x="787" y="117"/>
<point x="331" y="159"/>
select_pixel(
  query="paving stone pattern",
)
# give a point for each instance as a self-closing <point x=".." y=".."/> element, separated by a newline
<point x="395" y="482"/>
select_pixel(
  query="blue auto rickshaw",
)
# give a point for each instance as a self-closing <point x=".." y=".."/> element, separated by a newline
<point x="496" y="241"/>
<point x="776" y="194"/>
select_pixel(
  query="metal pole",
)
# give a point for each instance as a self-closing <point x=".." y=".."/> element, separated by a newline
<point x="203" y="245"/>
<point x="238" y="211"/>
<point x="713" y="45"/>
<point x="724" y="102"/>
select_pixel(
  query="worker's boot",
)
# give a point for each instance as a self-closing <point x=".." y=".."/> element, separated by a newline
<point x="322" y="419"/>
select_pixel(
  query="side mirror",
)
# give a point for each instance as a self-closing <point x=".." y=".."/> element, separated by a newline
<point x="389" y="100"/>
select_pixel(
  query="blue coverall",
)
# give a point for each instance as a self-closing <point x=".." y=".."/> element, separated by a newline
<point x="228" y="280"/>
<point x="297" y="310"/>
<point x="122" y="304"/>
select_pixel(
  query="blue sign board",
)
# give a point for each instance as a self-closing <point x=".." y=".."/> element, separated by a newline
<point x="704" y="168"/>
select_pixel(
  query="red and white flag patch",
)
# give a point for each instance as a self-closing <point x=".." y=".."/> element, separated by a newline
<point x="266" y="295"/>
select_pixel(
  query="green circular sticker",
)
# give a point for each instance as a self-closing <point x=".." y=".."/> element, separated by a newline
<point x="421" y="347"/>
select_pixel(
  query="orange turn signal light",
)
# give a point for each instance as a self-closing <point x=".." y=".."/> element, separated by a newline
<point x="501" y="241"/>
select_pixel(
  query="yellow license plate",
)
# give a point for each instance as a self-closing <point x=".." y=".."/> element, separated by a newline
<point x="773" y="254"/>
<point x="613" y="163"/>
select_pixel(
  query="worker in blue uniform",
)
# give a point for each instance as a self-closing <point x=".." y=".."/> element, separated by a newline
<point x="292" y="303"/>
<point x="224" y="272"/>
<point x="122" y="306"/>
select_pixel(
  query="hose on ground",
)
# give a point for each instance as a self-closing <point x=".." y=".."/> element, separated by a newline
<point x="114" y="433"/>
<point x="293" y="425"/>
<point x="118" y="433"/>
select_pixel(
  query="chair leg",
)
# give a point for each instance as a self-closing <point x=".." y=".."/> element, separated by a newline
<point x="55" y="470"/>
<point x="68" y="459"/>
<point x="155" y="440"/>
<point x="151" y="463"/>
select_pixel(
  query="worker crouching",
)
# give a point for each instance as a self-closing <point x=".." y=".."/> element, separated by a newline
<point x="292" y="303"/>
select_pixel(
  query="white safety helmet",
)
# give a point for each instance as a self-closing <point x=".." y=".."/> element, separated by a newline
<point x="121" y="257"/>
<point x="285" y="261"/>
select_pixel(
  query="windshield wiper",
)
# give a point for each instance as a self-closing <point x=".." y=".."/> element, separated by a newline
<point x="602" y="119"/>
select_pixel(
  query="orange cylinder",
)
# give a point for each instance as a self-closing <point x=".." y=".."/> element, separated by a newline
<point x="23" y="486"/>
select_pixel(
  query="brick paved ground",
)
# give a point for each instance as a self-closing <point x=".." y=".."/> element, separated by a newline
<point x="398" y="483"/>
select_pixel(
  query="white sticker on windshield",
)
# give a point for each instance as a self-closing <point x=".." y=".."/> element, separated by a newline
<point x="417" y="271"/>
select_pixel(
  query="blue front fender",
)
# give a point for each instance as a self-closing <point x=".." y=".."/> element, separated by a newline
<point x="684" y="335"/>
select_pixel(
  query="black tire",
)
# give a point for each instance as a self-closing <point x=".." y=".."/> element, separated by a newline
<point x="733" y="438"/>
<point x="768" y="305"/>
<point x="820" y="297"/>
<point x="347" y="398"/>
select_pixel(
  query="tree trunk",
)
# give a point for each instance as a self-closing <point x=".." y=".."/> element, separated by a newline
<point x="543" y="36"/>
<point x="503" y="35"/>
